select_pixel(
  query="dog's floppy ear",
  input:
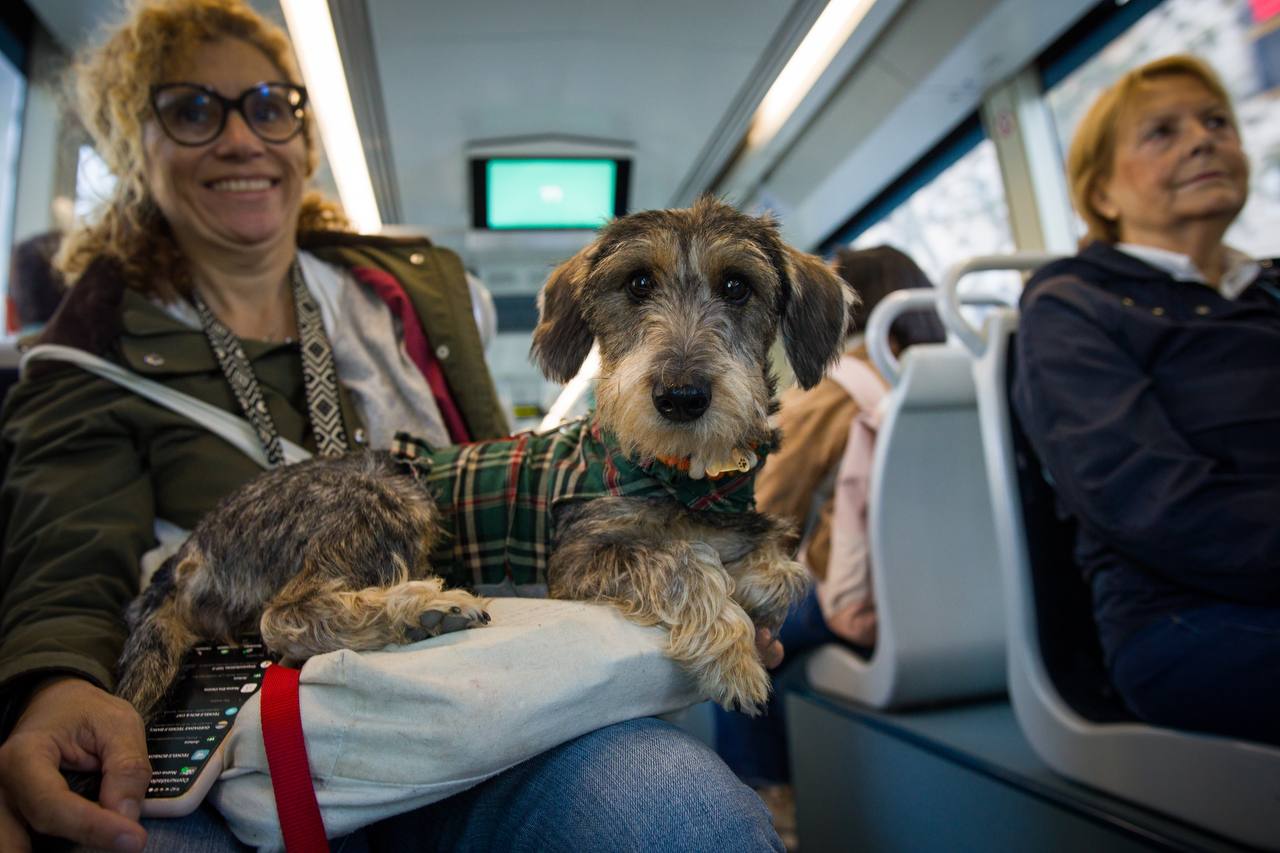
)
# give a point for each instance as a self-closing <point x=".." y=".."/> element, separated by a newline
<point x="814" y="315"/>
<point x="562" y="339"/>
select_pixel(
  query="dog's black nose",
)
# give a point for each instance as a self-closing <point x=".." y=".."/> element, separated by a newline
<point x="685" y="403"/>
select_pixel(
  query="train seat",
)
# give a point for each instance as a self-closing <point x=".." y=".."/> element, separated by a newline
<point x="9" y="357"/>
<point x="935" y="578"/>
<point x="1061" y="697"/>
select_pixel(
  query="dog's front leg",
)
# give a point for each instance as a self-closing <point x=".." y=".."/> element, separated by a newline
<point x="767" y="582"/>
<point x="681" y="586"/>
<point x="306" y="619"/>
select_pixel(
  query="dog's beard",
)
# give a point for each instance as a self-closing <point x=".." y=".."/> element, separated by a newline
<point x="736" y="419"/>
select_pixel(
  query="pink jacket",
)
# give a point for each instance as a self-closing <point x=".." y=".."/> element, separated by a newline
<point x="845" y="595"/>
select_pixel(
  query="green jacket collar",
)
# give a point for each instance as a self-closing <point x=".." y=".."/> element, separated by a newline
<point x="154" y="343"/>
<point x="105" y="317"/>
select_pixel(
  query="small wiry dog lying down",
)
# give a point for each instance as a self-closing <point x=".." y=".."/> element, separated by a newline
<point x="647" y="505"/>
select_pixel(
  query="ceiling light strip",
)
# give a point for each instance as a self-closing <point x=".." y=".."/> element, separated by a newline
<point x="354" y="31"/>
<point x="316" y="46"/>
<point x="827" y="35"/>
<point x="723" y="145"/>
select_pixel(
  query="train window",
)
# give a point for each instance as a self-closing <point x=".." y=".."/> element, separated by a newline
<point x="12" y="92"/>
<point x="960" y="213"/>
<point x="1241" y="40"/>
<point x="94" y="182"/>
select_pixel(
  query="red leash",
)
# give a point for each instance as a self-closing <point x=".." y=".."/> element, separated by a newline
<point x="300" y="821"/>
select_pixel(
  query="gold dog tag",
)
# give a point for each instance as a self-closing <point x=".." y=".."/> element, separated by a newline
<point x="740" y="461"/>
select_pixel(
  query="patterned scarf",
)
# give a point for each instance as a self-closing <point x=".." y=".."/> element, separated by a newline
<point x="497" y="498"/>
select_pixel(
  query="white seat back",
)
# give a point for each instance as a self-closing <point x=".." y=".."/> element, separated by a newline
<point x="934" y="576"/>
<point x="1229" y="787"/>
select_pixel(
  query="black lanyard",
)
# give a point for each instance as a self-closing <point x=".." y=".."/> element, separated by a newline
<point x="319" y="376"/>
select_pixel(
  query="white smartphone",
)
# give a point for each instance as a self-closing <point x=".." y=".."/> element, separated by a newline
<point x="185" y="739"/>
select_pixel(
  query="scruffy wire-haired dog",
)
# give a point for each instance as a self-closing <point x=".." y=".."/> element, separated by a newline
<point x="650" y="503"/>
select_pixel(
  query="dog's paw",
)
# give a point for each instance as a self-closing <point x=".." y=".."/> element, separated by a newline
<point x="446" y="615"/>
<point x="741" y="684"/>
<point x="734" y="677"/>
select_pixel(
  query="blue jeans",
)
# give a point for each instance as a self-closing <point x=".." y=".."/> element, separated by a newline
<point x="1213" y="669"/>
<point x="755" y="748"/>
<point x="638" y="785"/>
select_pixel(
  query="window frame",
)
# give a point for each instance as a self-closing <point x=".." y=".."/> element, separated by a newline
<point x="962" y="139"/>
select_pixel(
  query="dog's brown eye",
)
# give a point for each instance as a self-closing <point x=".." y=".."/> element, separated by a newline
<point x="735" y="290"/>
<point x="640" y="286"/>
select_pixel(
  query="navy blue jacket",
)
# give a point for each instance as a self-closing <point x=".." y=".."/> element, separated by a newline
<point x="1154" y="405"/>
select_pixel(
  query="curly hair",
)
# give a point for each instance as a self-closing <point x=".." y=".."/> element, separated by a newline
<point x="1093" y="147"/>
<point x="112" y="94"/>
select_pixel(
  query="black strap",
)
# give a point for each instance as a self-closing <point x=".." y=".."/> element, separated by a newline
<point x="319" y="375"/>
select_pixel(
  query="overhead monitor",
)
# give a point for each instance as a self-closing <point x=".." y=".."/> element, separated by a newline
<point x="545" y="193"/>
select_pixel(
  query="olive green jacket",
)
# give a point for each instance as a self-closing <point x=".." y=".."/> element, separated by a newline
<point x="89" y="466"/>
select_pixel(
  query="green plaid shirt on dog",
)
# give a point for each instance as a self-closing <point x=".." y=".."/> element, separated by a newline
<point x="497" y="498"/>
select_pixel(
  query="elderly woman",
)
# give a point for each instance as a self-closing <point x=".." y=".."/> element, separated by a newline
<point x="1148" y="369"/>
<point x="212" y="273"/>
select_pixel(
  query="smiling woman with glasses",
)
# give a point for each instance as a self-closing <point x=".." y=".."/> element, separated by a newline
<point x="214" y="272"/>
<point x="194" y="115"/>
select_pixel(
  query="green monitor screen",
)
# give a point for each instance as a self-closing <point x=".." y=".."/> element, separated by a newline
<point x="513" y="193"/>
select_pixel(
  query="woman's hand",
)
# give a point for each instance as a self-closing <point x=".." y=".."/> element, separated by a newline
<point x="771" y="652"/>
<point x="71" y="723"/>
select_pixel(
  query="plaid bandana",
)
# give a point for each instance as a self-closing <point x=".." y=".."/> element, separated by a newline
<point x="497" y="498"/>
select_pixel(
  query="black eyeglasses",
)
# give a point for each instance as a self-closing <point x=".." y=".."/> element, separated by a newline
<point x="191" y="114"/>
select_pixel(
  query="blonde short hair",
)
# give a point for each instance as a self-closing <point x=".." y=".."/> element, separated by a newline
<point x="1094" y="146"/>
<point x="112" y="93"/>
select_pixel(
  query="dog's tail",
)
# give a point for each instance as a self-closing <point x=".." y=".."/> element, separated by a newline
<point x="158" y="641"/>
